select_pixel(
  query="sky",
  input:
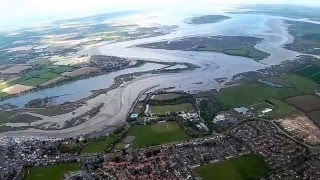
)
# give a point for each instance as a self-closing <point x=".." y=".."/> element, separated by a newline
<point x="14" y="12"/>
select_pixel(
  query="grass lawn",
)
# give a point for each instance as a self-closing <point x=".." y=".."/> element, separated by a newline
<point x="51" y="172"/>
<point x="281" y="109"/>
<point x="248" y="94"/>
<point x="99" y="145"/>
<point x="33" y="82"/>
<point x="159" y="133"/>
<point x="242" y="168"/>
<point x="171" y="108"/>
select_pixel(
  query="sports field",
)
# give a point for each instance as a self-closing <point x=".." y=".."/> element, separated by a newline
<point x="171" y="108"/>
<point x="242" y="168"/>
<point x="51" y="172"/>
<point x="159" y="133"/>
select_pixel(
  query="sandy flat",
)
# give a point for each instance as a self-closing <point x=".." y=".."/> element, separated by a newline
<point x="15" y="69"/>
<point x="16" y="89"/>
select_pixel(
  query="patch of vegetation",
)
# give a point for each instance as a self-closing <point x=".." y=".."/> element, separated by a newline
<point x="306" y="37"/>
<point x="232" y="45"/>
<point x="208" y="19"/>
<point x="62" y="69"/>
<point x="154" y="134"/>
<point x="163" y="109"/>
<point x="209" y="108"/>
<point x="51" y="172"/>
<point x="303" y="84"/>
<point x="241" y="168"/>
<point x="33" y="82"/>
<point x="280" y="109"/>
<point x="166" y="96"/>
<point x="15" y="117"/>
<point x="104" y="144"/>
<point x="258" y="107"/>
<point x="248" y="94"/>
<point x="49" y="75"/>
<point x="3" y="94"/>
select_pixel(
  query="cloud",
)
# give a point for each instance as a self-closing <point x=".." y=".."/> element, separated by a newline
<point x="19" y="11"/>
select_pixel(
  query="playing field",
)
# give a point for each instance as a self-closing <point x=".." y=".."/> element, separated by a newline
<point x="248" y="94"/>
<point x="154" y="134"/>
<point x="171" y="108"/>
<point x="51" y="172"/>
<point x="242" y="168"/>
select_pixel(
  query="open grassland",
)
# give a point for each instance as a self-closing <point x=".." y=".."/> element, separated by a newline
<point x="241" y="168"/>
<point x="171" y="108"/>
<point x="99" y="146"/>
<point x="159" y="133"/>
<point x="306" y="103"/>
<point x="248" y="94"/>
<point x="280" y="109"/>
<point x="51" y="172"/>
<point x="33" y="82"/>
<point x="166" y="96"/>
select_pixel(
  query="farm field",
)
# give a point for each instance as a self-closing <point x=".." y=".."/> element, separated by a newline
<point x="160" y="133"/>
<point x="306" y="103"/>
<point x="248" y="94"/>
<point x="241" y="168"/>
<point x="51" y="172"/>
<point x="315" y="117"/>
<point x="162" y="109"/>
<point x="166" y="96"/>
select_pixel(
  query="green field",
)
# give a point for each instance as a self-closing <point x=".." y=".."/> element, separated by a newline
<point x="51" y="172"/>
<point x="242" y="168"/>
<point x="171" y="108"/>
<point x="281" y="109"/>
<point x="62" y="69"/>
<point x="248" y="94"/>
<point x="303" y="84"/>
<point x="3" y="94"/>
<point x="49" y="75"/>
<point x="166" y="96"/>
<point x="33" y="82"/>
<point x="154" y="134"/>
<point x="99" y="145"/>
